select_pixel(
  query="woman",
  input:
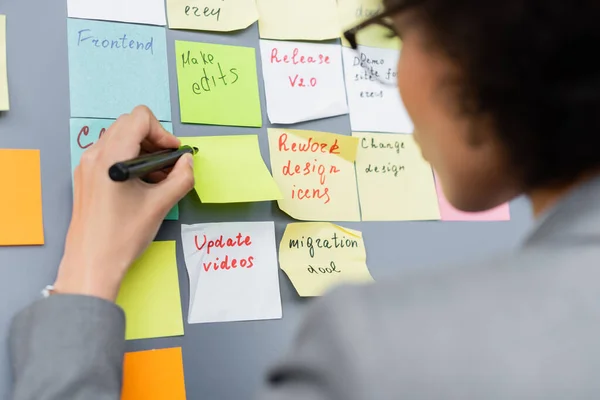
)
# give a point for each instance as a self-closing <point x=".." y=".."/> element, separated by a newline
<point x="505" y="98"/>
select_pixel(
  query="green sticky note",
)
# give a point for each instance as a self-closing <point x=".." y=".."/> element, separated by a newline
<point x="149" y="294"/>
<point x="173" y="215"/>
<point x="218" y="84"/>
<point x="230" y="169"/>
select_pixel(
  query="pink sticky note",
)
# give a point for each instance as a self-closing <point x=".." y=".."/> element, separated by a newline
<point x="449" y="213"/>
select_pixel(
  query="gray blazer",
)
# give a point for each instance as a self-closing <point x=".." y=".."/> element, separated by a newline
<point x="523" y="327"/>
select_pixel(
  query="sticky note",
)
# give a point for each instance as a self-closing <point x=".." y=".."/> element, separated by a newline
<point x="318" y="256"/>
<point x="21" y="221"/>
<point x="211" y="15"/>
<point x="450" y="213"/>
<point x="315" y="172"/>
<point x="298" y="20"/>
<point x="218" y="84"/>
<point x="233" y="271"/>
<point x="374" y="106"/>
<point x="303" y="81"/>
<point x="86" y="131"/>
<point x="153" y="375"/>
<point x="114" y="67"/>
<point x="353" y="12"/>
<point x="149" y="294"/>
<point x="395" y="183"/>
<point x="230" y="169"/>
<point x="4" y="103"/>
<point x="150" y="12"/>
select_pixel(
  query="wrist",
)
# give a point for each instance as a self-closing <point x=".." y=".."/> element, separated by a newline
<point x="86" y="281"/>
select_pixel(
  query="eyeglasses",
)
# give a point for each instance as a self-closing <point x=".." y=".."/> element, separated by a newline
<point x="377" y="31"/>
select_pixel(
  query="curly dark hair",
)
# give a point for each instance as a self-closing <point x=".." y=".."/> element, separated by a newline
<point x="531" y="66"/>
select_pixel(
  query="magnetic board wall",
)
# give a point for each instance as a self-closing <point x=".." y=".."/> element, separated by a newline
<point x="222" y="361"/>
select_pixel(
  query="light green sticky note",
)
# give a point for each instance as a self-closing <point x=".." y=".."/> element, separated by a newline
<point x="150" y="294"/>
<point x="218" y="84"/>
<point x="230" y="169"/>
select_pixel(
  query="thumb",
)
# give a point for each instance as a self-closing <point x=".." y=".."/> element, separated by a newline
<point x="177" y="184"/>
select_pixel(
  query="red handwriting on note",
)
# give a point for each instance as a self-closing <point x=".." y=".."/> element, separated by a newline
<point x="307" y="75"/>
<point x="239" y="279"/>
<point x="85" y="131"/>
<point x="226" y="262"/>
<point x="315" y="172"/>
<point x="297" y="58"/>
<point x="312" y="145"/>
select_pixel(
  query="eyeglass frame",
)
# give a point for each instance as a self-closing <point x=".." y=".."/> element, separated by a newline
<point x="379" y="19"/>
<point x="350" y="34"/>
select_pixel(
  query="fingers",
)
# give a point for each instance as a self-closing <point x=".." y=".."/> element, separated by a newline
<point x="133" y="132"/>
<point x="176" y="185"/>
<point x="145" y="129"/>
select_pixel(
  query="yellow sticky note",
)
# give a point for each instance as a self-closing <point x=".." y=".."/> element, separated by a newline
<point x="4" y="103"/>
<point x="21" y="221"/>
<point x="317" y="256"/>
<point x="395" y="183"/>
<point x="353" y="12"/>
<point x="149" y="294"/>
<point x="298" y="20"/>
<point x="153" y="375"/>
<point x="315" y="172"/>
<point x="211" y="15"/>
<point x="230" y="169"/>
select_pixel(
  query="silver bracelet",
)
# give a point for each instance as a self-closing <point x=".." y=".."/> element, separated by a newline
<point x="48" y="290"/>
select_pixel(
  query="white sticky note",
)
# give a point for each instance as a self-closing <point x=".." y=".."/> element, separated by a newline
<point x="150" y="12"/>
<point x="374" y="105"/>
<point x="233" y="271"/>
<point x="303" y="81"/>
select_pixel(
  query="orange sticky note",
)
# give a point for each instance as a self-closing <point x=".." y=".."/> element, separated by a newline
<point x="21" y="221"/>
<point x="153" y="375"/>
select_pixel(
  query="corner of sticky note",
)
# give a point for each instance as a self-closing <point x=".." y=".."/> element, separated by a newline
<point x="450" y="213"/>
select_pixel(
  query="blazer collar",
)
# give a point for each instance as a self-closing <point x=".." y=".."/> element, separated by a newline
<point x="576" y="217"/>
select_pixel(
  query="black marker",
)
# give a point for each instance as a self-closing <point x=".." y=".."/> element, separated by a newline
<point x="148" y="163"/>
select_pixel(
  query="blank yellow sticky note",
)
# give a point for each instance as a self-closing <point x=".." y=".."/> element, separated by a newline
<point x="153" y="375"/>
<point x="21" y="221"/>
<point x="4" y="103"/>
<point x="395" y="183"/>
<point x="150" y="294"/>
<point x="211" y="15"/>
<point x="318" y="256"/>
<point x="353" y="12"/>
<point x="315" y="171"/>
<point x="298" y="19"/>
<point x="230" y="169"/>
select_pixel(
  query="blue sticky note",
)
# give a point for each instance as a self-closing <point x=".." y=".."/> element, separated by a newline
<point x="86" y="131"/>
<point x="114" y="67"/>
